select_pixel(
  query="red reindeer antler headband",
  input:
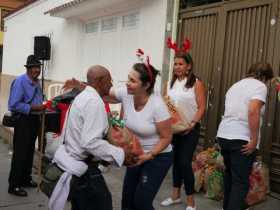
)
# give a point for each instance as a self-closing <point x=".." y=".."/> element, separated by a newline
<point x="141" y="56"/>
<point x="186" y="46"/>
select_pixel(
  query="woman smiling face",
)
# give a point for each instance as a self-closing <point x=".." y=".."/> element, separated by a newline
<point x="181" y="68"/>
<point x="134" y="84"/>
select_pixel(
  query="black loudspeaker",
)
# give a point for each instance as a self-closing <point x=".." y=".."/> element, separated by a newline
<point x="42" y="47"/>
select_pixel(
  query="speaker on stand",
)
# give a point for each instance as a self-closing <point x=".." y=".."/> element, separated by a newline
<point x="42" y="50"/>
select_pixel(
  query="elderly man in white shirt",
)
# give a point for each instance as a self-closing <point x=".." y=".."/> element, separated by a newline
<point x="84" y="132"/>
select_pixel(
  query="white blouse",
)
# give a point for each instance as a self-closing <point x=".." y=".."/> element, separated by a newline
<point x="184" y="98"/>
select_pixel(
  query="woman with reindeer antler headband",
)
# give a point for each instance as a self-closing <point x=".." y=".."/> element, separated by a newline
<point x="147" y="116"/>
<point x="186" y="91"/>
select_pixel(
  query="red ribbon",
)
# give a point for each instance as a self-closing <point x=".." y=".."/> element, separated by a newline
<point x="149" y="70"/>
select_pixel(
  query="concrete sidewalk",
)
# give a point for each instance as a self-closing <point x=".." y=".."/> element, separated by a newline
<point x="37" y="201"/>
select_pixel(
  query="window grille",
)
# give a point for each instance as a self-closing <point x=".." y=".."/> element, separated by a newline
<point x="130" y="20"/>
<point x="109" y="24"/>
<point x="92" y="27"/>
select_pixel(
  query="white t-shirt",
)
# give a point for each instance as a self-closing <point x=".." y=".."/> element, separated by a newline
<point x="142" y="123"/>
<point x="234" y="124"/>
<point x="184" y="98"/>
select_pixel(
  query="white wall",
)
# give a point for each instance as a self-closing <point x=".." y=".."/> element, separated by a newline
<point x="73" y="51"/>
<point x="31" y="21"/>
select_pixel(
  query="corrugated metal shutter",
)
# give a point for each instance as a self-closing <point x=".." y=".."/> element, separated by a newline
<point x="248" y="33"/>
<point x="246" y="42"/>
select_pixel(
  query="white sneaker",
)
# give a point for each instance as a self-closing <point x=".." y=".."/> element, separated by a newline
<point x="169" y="201"/>
<point x="190" y="208"/>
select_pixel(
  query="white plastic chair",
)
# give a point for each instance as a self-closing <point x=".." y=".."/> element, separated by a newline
<point x="54" y="90"/>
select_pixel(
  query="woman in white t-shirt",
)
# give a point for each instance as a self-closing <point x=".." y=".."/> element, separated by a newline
<point x="146" y="115"/>
<point x="239" y="132"/>
<point x="187" y="92"/>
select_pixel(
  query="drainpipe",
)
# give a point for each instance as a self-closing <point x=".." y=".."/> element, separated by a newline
<point x="174" y="33"/>
<point x="171" y="31"/>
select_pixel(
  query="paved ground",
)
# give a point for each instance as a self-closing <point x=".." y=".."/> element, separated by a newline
<point x="37" y="201"/>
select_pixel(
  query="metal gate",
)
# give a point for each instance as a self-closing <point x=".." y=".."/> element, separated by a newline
<point x="195" y="26"/>
<point x="227" y="38"/>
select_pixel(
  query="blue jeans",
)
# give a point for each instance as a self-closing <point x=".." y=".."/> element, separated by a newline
<point x="237" y="171"/>
<point x="141" y="183"/>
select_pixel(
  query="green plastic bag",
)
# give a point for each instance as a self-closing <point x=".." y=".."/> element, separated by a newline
<point x="215" y="185"/>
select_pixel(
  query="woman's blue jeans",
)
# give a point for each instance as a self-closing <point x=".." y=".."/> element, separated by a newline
<point x="141" y="183"/>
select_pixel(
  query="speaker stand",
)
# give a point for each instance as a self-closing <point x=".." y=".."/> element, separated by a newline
<point x="43" y="80"/>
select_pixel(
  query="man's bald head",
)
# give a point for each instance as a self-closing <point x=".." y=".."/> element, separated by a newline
<point x="96" y="72"/>
<point x="99" y="78"/>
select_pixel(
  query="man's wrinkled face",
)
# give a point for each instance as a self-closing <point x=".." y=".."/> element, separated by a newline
<point x="34" y="72"/>
<point x="106" y="83"/>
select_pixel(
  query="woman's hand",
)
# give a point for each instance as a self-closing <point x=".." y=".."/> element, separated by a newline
<point x="249" y="148"/>
<point x="145" y="157"/>
<point x="192" y="125"/>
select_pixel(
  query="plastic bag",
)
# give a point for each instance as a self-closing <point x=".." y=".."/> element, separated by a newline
<point x="259" y="184"/>
<point x="198" y="171"/>
<point x="215" y="185"/>
<point x="53" y="141"/>
<point x="179" y="122"/>
<point x="121" y="136"/>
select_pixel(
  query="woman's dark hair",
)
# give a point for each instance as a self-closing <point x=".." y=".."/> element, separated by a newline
<point x="191" y="76"/>
<point x="260" y="71"/>
<point x="143" y="70"/>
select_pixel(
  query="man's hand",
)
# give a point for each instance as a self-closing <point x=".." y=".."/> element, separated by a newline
<point x="130" y="159"/>
<point x="249" y="148"/>
<point x="38" y="107"/>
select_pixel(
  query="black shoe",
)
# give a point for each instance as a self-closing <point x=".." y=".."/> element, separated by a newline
<point x="18" y="191"/>
<point x="31" y="184"/>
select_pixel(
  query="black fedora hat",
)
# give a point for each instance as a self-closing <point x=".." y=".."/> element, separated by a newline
<point x="32" y="61"/>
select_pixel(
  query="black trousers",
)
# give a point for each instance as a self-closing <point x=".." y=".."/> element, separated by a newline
<point x="25" y="134"/>
<point x="183" y="149"/>
<point x="237" y="172"/>
<point x="90" y="192"/>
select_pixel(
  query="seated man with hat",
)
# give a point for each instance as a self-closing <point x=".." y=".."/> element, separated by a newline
<point x="25" y="96"/>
